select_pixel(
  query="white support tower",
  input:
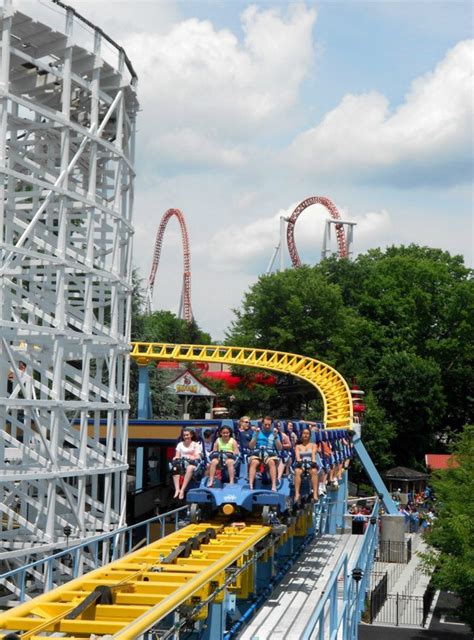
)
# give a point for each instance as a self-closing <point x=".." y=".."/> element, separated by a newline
<point x="279" y="249"/>
<point x="67" y="128"/>
<point x="330" y="222"/>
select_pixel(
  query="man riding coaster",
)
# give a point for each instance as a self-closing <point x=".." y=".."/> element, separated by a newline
<point x="267" y="441"/>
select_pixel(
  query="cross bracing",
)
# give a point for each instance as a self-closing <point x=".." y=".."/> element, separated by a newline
<point x="67" y="126"/>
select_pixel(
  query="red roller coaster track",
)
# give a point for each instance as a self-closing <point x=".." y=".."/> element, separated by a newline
<point x="290" y="230"/>
<point x="186" y="293"/>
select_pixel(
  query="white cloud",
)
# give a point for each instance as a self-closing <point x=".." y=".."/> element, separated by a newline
<point x="187" y="146"/>
<point x="196" y="78"/>
<point x="246" y="247"/>
<point x="432" y="127"/>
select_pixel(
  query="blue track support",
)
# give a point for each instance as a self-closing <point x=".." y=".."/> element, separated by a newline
<point x="265" y="572"/>
<point x="139" y="469"/>
<point x="375" y="478"/>
<point x="215" y="623"/>
<point x="144" y="398"/>
<point x="286" y="549"/>
<point x="337" y="505"/>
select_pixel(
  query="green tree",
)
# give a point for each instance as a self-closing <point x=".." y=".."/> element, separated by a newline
<point x="416" y="300"/>
<point x="378" y="433"/>
<point x="160" y="326"/>
<point x="295" y="310"/>
<point x="164" y="326"/>
<point x="452" y="533"/>
<point x="408" y="388"/>
<point x="398" y="320"/>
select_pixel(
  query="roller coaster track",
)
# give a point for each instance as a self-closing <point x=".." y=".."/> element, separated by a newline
<point x="125" y="598"/>
<point x="290" y="231"/>
<point x="187" y="313"/>
<point x="330" y="384"/>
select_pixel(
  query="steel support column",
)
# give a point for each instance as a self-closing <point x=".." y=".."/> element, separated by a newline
<point x="144" y="398"/>
<point x="374" y="476"/>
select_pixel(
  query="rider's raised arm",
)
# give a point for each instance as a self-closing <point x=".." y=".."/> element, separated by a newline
<point x="253" y="441"/>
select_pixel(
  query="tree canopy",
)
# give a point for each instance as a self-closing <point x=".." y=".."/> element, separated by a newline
<point x="452" y="533"/>
<point x="160" y="326"/>
<point x="399" y="320"/>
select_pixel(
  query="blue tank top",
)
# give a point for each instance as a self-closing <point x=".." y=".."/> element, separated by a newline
<point x="267" y="440"/>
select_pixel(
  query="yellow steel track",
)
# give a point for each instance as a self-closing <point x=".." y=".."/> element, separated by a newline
<point x="330" y="384"/>
<point x="144" y="587"/>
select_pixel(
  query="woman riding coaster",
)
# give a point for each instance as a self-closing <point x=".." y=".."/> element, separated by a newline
<point x="225" y="447"/>
<point x="305" y="454"/>
<point x="268" y="443"/>
<point x="187" y="457"/>
<point x="291" y="433"/>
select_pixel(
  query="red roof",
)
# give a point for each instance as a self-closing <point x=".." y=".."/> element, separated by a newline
<point x="436" y="461"/>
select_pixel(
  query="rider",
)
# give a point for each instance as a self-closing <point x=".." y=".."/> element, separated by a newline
<point x="245" y="432"/>
<point x="190" y="452"/>
<point x="226" y="445"/>
<point x="208" y="441"/>
<point x="285" y="455"/>
<point x="268" y="442"/>
<point x="290" y="430"/>
<point x="305" y="454"/>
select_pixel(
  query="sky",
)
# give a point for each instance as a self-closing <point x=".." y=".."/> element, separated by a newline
<point x="249" y="108"/>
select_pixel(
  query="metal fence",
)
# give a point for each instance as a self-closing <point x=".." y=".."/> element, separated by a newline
<point x="413" y="581"/>
<point x="393" y="551"/>
<point x="401" y="610"/>
<point x="393" y="570"/>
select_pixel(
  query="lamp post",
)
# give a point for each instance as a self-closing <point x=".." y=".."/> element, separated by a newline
<point x="357" y="575"/>
<point x="67" y="532"/>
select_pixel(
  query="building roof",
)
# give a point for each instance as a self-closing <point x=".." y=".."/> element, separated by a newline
<point x="436" y="461"/>
<point x="404" y="473"/>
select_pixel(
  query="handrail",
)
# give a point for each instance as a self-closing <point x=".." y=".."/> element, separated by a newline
<point x="353" y="600"/>
<point x="96" y="540"/>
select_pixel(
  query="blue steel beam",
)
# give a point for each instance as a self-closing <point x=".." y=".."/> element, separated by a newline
<point x="144" y="396"/>
<point x="379" y="485"/>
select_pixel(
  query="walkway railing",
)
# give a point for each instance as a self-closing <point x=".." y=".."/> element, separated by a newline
<point x="48" y="572"/>
<point x="339" y="611"/>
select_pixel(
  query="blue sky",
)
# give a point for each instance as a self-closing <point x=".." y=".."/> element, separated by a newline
<point x="248" y="108"/>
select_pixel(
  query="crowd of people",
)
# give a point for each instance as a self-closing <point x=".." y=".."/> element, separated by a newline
<point x="419" y="511"/>
<point x="281" y="449"/>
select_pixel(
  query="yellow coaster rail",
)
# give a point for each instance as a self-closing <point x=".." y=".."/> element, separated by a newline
<point x="124" y="599"/>
<point x="331" y="385"/>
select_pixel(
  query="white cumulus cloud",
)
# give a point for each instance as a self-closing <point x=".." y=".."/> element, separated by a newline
<point x="200" y="85"/>
<point x="430" y="131"/>
<point x="247" y="246"/>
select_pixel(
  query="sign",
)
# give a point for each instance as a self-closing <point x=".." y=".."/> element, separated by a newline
<point x="187" y="385"/>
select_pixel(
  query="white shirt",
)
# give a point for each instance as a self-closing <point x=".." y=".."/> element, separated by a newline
<point x="193" y="451"/>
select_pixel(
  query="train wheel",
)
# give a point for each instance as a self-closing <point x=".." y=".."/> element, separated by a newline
<point x="194" y="513"/>
<point x="266" y="519"/>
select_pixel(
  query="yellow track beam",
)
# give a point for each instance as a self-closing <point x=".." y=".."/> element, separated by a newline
<point x="331" y="385"/>
<point x="144" y="588"/>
